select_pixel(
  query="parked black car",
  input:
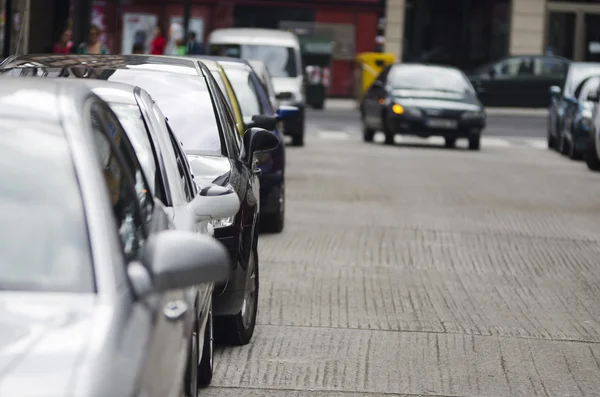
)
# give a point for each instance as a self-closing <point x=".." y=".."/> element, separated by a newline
<point x="519" y="81"/>
<point x="201" y="119"/>
<point x="423" y="100"/>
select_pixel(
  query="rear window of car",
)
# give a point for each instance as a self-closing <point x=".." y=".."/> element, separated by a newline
<point x="45" y="244"/>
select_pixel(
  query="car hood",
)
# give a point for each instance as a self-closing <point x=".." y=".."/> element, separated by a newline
<point x="436" y="99"/>
<point x="42" y="340"/>
<point x="287" y="84"/>
<point x="209" y="169"/>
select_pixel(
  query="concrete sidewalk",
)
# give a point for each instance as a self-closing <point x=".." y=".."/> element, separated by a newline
<point x="351" y="104"/>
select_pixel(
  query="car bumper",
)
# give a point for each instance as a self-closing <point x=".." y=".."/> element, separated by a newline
<point x="295" y="126"/>
<point x="270" y="192"/>
<point x="432" y="127"/>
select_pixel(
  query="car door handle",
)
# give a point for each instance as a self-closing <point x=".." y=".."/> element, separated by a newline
<point x="175" y="310"/>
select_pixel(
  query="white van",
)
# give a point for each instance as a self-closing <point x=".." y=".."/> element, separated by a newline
<point x="280" y="52"/>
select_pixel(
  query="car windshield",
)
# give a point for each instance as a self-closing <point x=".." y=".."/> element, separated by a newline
<point x="428" y="78"/>
<point x="244" y="91"/>
<point x="280" y="61"/>
<point x="577" y="74"/>
<point x="133" y="123"/>
<point x="44" y="244"/>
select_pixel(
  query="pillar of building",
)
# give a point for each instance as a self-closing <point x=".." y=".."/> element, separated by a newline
<point x="527" y="27"/>
<point x="394" y="27"/>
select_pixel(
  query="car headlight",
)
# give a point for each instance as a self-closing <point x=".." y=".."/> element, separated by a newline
<point x="220" y="223"/>
<point x="470" y="115"/>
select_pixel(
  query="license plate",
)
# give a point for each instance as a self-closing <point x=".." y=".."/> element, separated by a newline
<point x="442" y="123"/>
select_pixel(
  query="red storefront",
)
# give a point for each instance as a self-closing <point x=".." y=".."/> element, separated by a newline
<point x="352" y="21"/>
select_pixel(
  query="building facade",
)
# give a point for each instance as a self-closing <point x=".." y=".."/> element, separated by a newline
<point x="467" y="33"/>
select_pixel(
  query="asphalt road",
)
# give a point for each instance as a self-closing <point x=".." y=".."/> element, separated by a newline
<point x="421" y="271"/>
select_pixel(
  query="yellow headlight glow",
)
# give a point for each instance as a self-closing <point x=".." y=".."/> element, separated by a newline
<point x="397" y="109"/>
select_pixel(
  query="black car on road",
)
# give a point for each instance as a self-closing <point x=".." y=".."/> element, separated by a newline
<point x="423" y="100"/>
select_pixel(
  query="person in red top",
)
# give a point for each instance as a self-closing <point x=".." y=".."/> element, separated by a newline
<point x="64" y="43"/>
<point x="158" y="43"/>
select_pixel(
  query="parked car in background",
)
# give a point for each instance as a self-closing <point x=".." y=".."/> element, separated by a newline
<point x="257" y="112"/>
<point x="101" y="286"/>
<point x="280" y="52"/>
<point x="198" y="113"/>
<point x="591" y="154"/>
<point x="188" y="207"/>
<point x="564" y="96"/>
<point x="578" y="120"/>
<point x="266" y="80"/>
<point x="519" y="81"/>
<point x="423" y="100"/>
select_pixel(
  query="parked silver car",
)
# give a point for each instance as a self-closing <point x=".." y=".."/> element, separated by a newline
<point x="189" y="207"/>
<point x="92" y="274"/>
<point x="267" y="81"/>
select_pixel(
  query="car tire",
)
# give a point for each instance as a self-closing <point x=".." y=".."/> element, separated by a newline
<point x="205" y="366"/>
<point x="563" y="147"/>
<point x="319" y="105"/>
<point x="368" y="133"/>
<point x="591" y="157"/>
<point x="574" y="154"/>
<point x="238" y="330"/>
<point x="275" y="222"/>
<point x="475" y="142"/>
<point x="450" y="142"/>
<point x="191" y="375"/>
<point x="551" y="141"/>
<point x="298" y="140"/>
<point x="389" y="134"/>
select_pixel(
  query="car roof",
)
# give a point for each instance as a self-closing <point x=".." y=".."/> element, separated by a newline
<point x="584" y="64"/>
<point x="111" y="91"/>
<point x="36" y="99"/>
<point x="144" y="62"/>
<point x="253" y="36"/>
<point x="426" y="65"/>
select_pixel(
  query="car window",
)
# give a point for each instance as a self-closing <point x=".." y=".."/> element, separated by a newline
<point x="183" y="167"/>
<point x="45" y="244"/>
<point x="245" y="92"/>
<point x="126" y="187"/>
<point x="513" y="67"/>
<point x="185" y="101"/>
<point x="418" y="77"/>
<point x="236" y="140"/>
<point x="549" y="67"/>
<point x="133" y="123"/>
<point x="281" y="61"/>
<point x="588" y="86"/>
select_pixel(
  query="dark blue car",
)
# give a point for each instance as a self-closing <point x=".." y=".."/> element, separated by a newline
<point x="578" y="119"/>
<point x="257" y="111"/>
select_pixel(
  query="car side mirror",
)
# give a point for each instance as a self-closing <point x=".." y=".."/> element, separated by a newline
<point x="180" y="259"/>
<point x="287" y="112"/>
<point x="555" y="90"/>
<point x="259" y="140"/>
<point x="262" y="121"/>
<point x="215" y="202"/>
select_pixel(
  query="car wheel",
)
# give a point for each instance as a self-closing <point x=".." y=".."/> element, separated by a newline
<point x="563" y="146"/>
<point x="450" y="142"/>
<point x="389" y="134"/>
<point x="205" y="367"/>
<point x="274" y="223"/>
<point x="551" y="141"/>
<point x="591" y="157"/>
<point x="238" y="329"/>
<point x="319" y="105"/>
<point x="475" y="142"/>
<point x="298" y="140"/>
<point x="574" y="154"/>
<point x="191" y="375"/>
<point x="368" y="133"/>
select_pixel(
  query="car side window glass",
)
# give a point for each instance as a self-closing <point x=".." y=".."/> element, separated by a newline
<point x="183" y="167"/>
<point x="512" y="67"/>
<point x="228" y="124"/>
<point x="237" y="139"/>
<point x="126" y="189"/>
<point x="549" y="67"/>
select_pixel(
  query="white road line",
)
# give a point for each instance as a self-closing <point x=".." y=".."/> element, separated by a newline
<point x="334" y="135"/>
<point x="537" y="143"/>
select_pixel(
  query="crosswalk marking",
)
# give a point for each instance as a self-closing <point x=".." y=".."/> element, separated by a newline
<point x="486" y="141"/>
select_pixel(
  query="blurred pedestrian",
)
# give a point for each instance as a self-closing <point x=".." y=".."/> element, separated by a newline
<point x="175" y="35"/>
<point x="193" y="47"/>
<point x="180" y="47"/>
<point x="158" y="43"/>
<point x="138" y="48"/>
<point x="64" y="43"/>
<point x="93" y="45"/>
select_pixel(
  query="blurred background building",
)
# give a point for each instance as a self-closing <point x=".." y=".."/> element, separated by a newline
<point x="464" y="33"/>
